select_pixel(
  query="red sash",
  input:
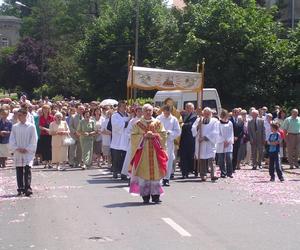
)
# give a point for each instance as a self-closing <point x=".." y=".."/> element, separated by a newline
<point x="162" y="157"/>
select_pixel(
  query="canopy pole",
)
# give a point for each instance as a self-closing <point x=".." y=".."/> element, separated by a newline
<point x="202" y="81"/>
<point x="198" y="94"/>
<point x="128" y="69"/>
<point x="132" y="89"/>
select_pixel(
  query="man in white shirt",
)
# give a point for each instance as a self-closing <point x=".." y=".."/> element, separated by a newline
<point x="23" y="143"/>
<point x="173" y="129"/>
<point x="119" y="144"/>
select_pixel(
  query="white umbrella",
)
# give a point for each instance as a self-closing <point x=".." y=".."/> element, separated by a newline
<point x="109" y="102"/>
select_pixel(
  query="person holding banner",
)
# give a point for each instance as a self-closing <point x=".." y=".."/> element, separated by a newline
<point x="149" y="158"/>
<point x="206" y="133"/>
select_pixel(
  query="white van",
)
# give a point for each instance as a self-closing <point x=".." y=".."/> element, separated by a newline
<point x="210" y="98"/>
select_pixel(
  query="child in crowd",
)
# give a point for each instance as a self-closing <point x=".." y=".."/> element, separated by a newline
<point x="274" y="150"/>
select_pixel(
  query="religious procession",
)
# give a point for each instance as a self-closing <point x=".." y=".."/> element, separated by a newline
<point x="145" y="145"/>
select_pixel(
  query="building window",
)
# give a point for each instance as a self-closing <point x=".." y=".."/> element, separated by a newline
<point x="4" y="42"/>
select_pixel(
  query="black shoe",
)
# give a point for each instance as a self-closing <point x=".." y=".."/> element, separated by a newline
<point x="115" y="176"/>
<point x="124" y="177"/>
<point x="129" y="182"/>
<point x="146" y="199"/>
<point x="272" y="179"/>
<point x="172" y="177"/>
<point x="196" y="174"/>
<point x="166" y="183"/>
<point x="214" y="178"/>
<point x="155" y="199"/>
<point x="223" y="176"/>
<point x="28" y="192"/>
<point x="230" y="176"/>
<point x="253" y="168"/>
<point x="281" y="179"/>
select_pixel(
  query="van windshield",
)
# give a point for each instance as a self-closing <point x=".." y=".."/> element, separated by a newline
<point x="206" y="103"/>
<point x="160" y="104"/>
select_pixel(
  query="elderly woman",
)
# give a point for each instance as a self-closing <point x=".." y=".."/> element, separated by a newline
<point x="45" y="138"/>
<point x="98" y="139"/>
<point x="86" y="131"/>
<point x="59" y="130"/>
<point x="5" y="129"/>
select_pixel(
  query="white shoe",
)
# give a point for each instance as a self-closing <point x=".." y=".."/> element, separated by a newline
<point x="83" y="167"/>
<point x="60" y="168"/>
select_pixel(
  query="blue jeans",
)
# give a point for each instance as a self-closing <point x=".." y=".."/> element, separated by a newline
<point x="225" y="163"/>
<point x="274" y="164"/>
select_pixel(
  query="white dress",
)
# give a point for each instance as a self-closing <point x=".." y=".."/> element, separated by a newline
<point x="173" y="129"/>
<point x="128" y="151"/>
<point x="211" y="131"/>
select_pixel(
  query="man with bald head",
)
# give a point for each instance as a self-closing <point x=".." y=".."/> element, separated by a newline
<point x="187" y="141"/>
<point x="206" y="132"/>
<point x="257" y="135"/>
<point x="291" y="126"/>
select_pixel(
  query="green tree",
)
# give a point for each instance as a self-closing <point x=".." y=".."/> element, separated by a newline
<point x="103" y="53"/>
<point x="240" y="46"/>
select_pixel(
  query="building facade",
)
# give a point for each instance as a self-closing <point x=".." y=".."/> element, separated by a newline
<point x="9" y="30"/>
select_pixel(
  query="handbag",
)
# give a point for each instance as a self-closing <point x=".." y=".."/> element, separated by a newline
<point x="68" y="141"/>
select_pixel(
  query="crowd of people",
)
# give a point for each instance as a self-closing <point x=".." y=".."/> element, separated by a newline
<point x="145" y="144"/>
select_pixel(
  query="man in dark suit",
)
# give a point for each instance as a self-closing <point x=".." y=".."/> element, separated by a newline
<point x="187" y="141"/>
<point x="257" y="135"/>
<point x="238" y="126"/>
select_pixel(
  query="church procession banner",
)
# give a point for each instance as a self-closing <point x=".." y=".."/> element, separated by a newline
<point x="160" y="79"/>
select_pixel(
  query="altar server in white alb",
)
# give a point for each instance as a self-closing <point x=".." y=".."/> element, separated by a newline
<point x="206" y="131"/>
<point x="172" y="127"/>
<point x="138" y="112"/>
<point x="23" y="142"/>
<point x="225" y="145"/>
<point x="119" y="144"/>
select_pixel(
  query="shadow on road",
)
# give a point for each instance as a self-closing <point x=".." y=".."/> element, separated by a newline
<point x="100" y="180"/>
<point x="128" y="204"/>
<point x="118" y="186"/>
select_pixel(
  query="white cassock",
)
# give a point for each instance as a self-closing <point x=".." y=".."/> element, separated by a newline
<point x="128" y="151"/>
<point x="119" y="137"/>
<point x="23" y="136"/>
<point x="173" y="129"/>
<point x="225" y="134"/>
<point x="211" y="131"/>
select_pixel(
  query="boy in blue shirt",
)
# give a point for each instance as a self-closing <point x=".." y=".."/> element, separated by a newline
<point x="274" y="149"/>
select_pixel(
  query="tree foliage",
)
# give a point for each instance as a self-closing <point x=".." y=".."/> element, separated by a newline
<point x="250" y="57"/>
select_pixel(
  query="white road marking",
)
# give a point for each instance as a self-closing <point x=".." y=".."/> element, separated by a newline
<point x="176" y="227"/>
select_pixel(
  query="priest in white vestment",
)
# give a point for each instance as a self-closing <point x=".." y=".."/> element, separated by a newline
<point x="205" y="130"/>
<point x="173" y="129"/>
<point x="138" y="112"/>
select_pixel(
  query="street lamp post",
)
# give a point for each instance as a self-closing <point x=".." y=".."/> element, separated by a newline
<point x="136" y="50"/>
<point x="293" y="14"/>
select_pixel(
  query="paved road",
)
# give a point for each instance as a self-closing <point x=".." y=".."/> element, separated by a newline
<point x="89" y="210"/>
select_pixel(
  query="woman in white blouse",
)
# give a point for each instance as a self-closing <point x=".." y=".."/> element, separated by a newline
<point x="59" y="130"/>
<point x="225" y="145"/>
